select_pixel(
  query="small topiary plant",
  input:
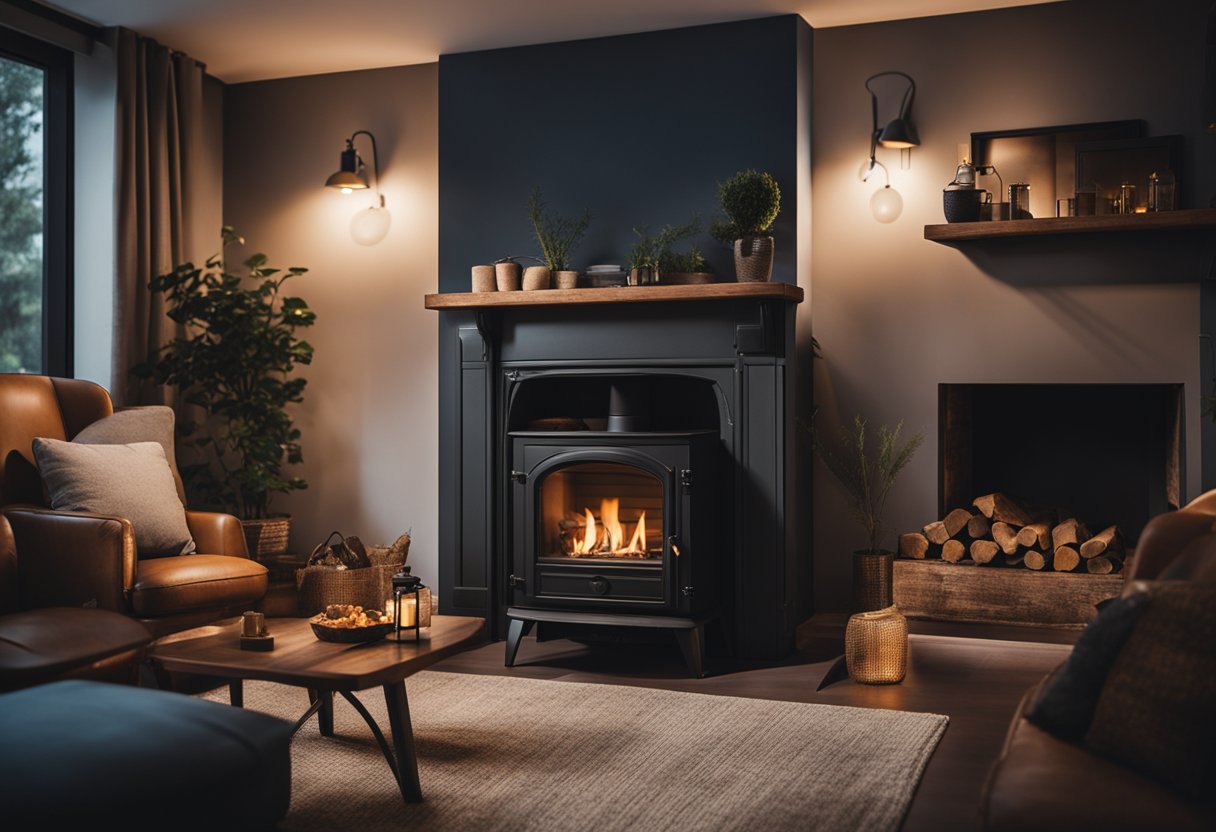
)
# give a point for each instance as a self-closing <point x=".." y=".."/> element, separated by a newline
<point x="751" y="201"/>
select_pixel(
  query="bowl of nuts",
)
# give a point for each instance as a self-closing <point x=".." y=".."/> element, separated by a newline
<point x="350" y="624"/>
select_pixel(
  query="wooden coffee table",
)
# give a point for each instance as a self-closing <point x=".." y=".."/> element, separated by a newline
<point x="323" y="668"/>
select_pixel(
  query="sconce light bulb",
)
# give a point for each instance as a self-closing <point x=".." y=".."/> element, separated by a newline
<point x="886" y="204"/>
<point x="347" y="191"/>
<point x="370" y="225"/>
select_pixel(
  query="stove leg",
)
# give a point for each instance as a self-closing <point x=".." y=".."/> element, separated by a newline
<point x="692" y="645"/>
<point x="516" y="630"/>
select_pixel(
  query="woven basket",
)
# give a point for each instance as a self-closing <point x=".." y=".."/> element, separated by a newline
<point x="267" y="536"/>
<point x="876" y="647"/>
<point x="754" y="260"/>
<point x="320" y="586"/>
<point x="872" y="580"/>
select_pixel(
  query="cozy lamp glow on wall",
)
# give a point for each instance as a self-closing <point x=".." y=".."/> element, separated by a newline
<point x="900" y="133"/>
<point x="369" y="226"/>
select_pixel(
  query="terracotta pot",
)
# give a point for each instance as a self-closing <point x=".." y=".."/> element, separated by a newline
<point x="754" y="259"/>
<point x="537" y="277"/>
<point x="507" y="276"/>
<point x="565" y="279"/>
<point x="483" y="279"/>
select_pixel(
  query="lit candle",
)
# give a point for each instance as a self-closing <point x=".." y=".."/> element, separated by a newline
<point x="409" y="611"/>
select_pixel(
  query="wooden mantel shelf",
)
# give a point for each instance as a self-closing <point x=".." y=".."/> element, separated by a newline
<point x="1197" y="219"/>
<point x="616" y="294"/>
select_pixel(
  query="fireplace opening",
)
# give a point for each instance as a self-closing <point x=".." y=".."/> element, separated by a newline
<point x="618" y="403"/>
<point x="1110" y="454"/>
<point x="601" y="512"/>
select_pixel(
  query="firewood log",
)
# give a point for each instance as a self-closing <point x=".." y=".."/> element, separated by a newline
<point x="979" y="527"/>
<point x="1103" y="565"/>
<point x="1036" y="560"/>
<point x="1005" y="536"/>
<point x="1071" y="532"/>
<point x="956" y="521"/>
<point x="1036" y="534"/>
<point x="1065" y="559"/>
<point x="999" y="507"/>
<point x="983" y="551"/>
<point x="913" y="545"/>
<point x="953" y="550"/>
<point x="936" y="532"/>
<point x="1109" y="541"/>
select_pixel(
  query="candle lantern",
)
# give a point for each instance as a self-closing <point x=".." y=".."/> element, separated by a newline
<point x="411" y="605"/>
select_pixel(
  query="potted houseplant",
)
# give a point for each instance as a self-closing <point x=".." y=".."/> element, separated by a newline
<point x="684" y="267"/>
<point x="648" y="254"/>
<point x="557" y="236"/>
<point x="867" y="471"/>
<point x="751" y="201"/>
<point x="235" y="363"/>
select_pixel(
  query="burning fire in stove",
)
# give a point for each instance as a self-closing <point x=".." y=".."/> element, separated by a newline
<point x="605" y="538"/>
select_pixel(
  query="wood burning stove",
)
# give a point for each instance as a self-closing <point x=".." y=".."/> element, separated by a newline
<point x="614" y="521"/>
<point x="615" y="527"/>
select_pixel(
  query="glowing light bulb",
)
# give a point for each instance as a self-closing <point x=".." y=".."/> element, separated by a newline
<point x="347" y="191"/>
<point x="369" y="226"/>
<point x="886" y="204"/>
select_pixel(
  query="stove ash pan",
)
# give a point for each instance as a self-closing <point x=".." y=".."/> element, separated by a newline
<point x="615" y="521"/>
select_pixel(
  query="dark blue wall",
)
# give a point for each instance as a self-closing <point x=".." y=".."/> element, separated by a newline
<point x="637" y="128"/>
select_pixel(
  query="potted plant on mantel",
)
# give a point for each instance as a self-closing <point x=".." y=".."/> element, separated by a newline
<point x="867" y="474"/>
<point x="235" y="363"/>
<point x="751" y="201"/>
<point x="557" y="236"/>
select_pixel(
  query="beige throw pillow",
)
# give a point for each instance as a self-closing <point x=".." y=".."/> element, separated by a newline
<point x="131" y="481"/>
<point x="152" y="423"/>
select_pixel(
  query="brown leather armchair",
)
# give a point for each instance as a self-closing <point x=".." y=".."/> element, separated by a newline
<point x="46" y="645"/>
<point x="1043" y="783"/>
<point x="72" y="559"/>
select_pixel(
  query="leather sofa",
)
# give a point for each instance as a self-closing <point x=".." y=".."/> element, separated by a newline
<point x="1043" y="783"/>
<point x="46" y="645"/>
<point x="74" y="559"/>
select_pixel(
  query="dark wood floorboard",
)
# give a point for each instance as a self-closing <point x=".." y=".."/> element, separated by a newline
<point x="977" y="682"/>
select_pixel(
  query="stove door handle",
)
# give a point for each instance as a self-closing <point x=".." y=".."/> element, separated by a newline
<point x="674" y="543"/>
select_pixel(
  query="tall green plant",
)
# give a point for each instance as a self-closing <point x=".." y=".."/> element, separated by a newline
<point x="556" y="235"/>
<point x="751" y="201"/>
<point x="867" y="477"/>
<point x="236" y="363"/>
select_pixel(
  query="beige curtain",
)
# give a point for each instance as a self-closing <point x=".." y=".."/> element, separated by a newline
<point x="160" y="121"/>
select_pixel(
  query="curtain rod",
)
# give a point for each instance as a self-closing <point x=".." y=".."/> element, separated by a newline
<point x="49" y="25"/>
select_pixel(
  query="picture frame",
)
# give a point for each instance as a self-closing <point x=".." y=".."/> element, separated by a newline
<point x="1045" y="157"/>
<point x="1106" y="165"/>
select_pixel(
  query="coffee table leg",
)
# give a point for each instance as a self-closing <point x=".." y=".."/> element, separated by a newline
<point x="236" y="693"/>
<point x="325" y="716"/>
<point x="403" y="741"/>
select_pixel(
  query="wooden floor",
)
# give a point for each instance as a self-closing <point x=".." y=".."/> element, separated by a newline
<point x="977" y="682"/>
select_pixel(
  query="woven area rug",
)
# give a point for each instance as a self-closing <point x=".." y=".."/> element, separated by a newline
<point x="503" y="753"/>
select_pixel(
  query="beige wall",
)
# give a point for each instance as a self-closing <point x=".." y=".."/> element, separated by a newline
<point x="897" y="315"/>
<point x="369" y="417"/>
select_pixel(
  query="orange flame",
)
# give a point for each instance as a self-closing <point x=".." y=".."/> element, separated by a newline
<point x="608" y="536"/>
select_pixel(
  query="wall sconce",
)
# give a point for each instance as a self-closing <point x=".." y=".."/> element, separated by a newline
<point x="886" y="204"/>
<point x="369" y="226"/>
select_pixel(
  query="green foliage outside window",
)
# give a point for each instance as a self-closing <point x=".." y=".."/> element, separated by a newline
<point x="20" y="218"/>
